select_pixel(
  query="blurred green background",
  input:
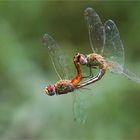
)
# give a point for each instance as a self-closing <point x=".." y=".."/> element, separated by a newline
<point x="112" y="104"/>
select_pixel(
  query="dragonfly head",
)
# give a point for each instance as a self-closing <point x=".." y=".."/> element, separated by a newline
<point x="50" y="90"/>
<point x="83" y="59"/>
<point x="80" y="58"/>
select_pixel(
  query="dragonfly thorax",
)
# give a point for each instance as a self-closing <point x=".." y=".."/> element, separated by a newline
<point x="64" y="86"/>
<point x="50" y="90"/>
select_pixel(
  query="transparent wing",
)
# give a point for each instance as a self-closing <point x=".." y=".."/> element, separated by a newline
<point x="115" y="67"/>
<point x="114" y="49"/>
<point x="131" y="76"/>
<point x="81" y="105"/>
<point x="114" y="52"/>
<point x="57" y="56"/>
<point x="96" y="30"/>
<point x="119" y="69"/>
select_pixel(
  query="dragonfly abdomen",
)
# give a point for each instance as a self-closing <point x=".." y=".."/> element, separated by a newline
<point x="78" y="77"/>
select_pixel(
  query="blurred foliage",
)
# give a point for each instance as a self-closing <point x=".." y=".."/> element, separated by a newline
<point x="25" y="69"/>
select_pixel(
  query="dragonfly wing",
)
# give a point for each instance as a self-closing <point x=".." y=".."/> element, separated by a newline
<point x="114" y="49"/>
<point x="57" y="56"/>
<point x="131" y="76"/>
<point x="81" y="106"/>
<point x="119" y="69"/>
<point x="115" y="67"/>
<point x="95" y="29"/>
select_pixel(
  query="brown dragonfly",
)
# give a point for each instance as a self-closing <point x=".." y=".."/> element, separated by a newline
<point x="107" y="49"/>
<point x="65" y="84"/>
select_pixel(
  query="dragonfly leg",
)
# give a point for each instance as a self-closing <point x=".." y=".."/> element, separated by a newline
<point x="91" y="73"/>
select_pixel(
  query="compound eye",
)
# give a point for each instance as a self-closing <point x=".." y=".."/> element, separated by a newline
<point x="83" y="59"/>
<point x="50" y="90"/>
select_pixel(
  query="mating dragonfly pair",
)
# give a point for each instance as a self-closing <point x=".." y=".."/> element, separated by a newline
<point x="107" y="53"/>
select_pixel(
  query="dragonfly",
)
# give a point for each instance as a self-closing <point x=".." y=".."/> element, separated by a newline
<point x="64" y="85"/>
<point x="107" y="49"/>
